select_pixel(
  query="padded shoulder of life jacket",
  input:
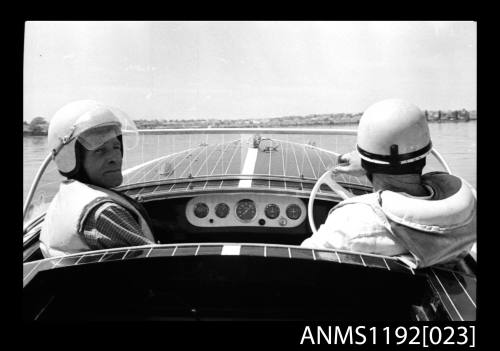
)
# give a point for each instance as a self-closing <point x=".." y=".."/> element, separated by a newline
<point x="452" y="206"/>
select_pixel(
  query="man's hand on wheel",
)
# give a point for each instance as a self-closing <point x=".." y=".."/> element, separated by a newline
<point x="349" y="164"/>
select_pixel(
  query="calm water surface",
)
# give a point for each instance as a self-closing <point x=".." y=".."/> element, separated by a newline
<point x="455" y="141"/>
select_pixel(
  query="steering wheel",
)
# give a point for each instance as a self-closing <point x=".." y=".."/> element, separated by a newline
<point x="326" y="178"/>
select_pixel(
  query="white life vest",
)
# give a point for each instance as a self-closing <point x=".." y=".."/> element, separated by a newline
<point x="433" y="231"/>
<point x="63" y="223"/>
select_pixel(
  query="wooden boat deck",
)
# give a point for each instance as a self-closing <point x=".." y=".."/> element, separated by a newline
<point x="456" y="291"/>
<point x="266" y="164"/>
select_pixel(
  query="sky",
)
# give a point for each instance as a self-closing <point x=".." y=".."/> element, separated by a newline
<point x="231" y="70"/>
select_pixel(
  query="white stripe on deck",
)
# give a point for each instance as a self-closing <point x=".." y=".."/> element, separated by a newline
<point x="248" y="167"/>
<point x="230" y="250"/>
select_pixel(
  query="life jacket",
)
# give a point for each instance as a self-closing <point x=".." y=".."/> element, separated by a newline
<point x="439" y="230"/>
<point x="65" y="217"/>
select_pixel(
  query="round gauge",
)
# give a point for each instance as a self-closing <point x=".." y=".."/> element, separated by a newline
<point x="245" y="209"/>
<point x="272" y="211"/>
<point x="200" y="210"/>
<point x="293" y="211"/>
<point x="221" y="210"/>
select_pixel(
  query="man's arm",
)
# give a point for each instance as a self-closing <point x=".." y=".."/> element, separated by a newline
<point x="111" y="225"/>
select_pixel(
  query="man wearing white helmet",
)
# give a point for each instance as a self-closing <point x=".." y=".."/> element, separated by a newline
<point x="86" y="214"/>
<point x="423" y="219"/>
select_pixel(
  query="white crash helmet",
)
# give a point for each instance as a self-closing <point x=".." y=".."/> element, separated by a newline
<point x="92" y="123"/>
<point x="393" y="133"/>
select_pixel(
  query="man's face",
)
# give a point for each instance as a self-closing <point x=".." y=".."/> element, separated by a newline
<point x="104" y="164"/>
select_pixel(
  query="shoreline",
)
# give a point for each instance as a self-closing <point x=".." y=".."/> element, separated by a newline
<point x="251" y="125"/>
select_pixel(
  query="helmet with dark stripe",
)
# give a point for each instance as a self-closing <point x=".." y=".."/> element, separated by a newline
<point x="393" y="137"/>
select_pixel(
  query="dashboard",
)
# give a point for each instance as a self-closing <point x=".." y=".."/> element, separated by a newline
<point x="245" y="210"/>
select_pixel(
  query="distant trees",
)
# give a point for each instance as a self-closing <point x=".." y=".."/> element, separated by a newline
<point x="38" y="125"/>
<point x="449" y="115"/>
<point x="296" y="121"/>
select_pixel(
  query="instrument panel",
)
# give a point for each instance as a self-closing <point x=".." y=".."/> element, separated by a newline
<point x="245" y="209"/>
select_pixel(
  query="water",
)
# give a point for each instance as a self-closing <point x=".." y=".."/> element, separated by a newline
<point x="456" y="142"/>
